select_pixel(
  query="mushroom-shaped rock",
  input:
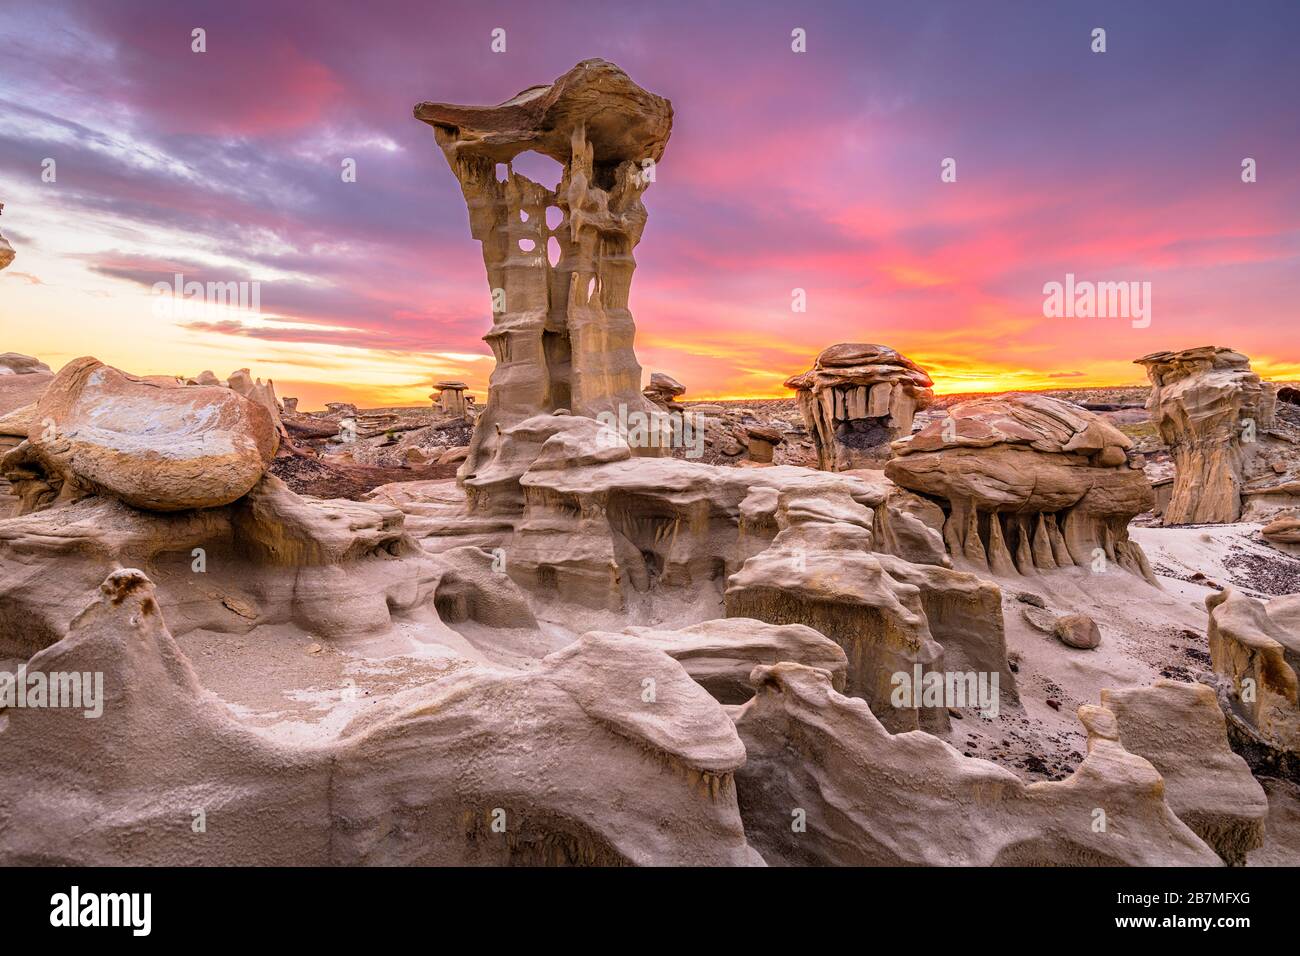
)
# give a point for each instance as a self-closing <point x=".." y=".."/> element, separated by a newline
<point x="450" y="397"/>
<point x="151" y="445"/>
<point x="856" y="399"/>
<point x="1028" y="483"/>
<point x="562" y="333"/>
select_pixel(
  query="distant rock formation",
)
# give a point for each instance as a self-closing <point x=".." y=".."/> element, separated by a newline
<point x="562" y="333"/>
<point x="450" y="397"/>
<point x="14" y="363"/>
<point x="1211" y="410"/>
<point x="1027" y="484"/>
<point x="857" y="399"/>
<point x="664" y="390"/>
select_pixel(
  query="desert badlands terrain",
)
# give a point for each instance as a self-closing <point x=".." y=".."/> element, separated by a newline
<point x="585" y="620"/>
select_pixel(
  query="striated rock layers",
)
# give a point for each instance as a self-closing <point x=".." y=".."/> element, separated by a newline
<point x="1212" y="411"/>
<point x="1028" y="484"/>
<point x="857" y="399"/>
<point x="148" y="443"/>
<point x="562" y="332"/>
<point x="580" y="522"/>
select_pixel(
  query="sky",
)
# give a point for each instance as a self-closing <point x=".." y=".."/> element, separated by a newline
<point x="819" y="170"/>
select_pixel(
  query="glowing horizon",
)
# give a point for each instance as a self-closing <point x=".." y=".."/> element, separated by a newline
<point x="817" y="171"/>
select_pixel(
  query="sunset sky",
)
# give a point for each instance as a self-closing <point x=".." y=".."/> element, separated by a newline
<point x="818" y="170"/>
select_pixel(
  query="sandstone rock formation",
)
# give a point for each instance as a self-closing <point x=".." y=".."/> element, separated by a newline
<point x="1213" y="412"/>
<point x="242" y="383"/>
<point x="1283" y="532"/>
<point x="152" y="445"/>
<point x="13" y="363"/>
<point x="583" y="524"/>
<point x="857" y="399"/>
<point x="1180" y="729"/>
<point x="580" y="653"/>
<point x="870" y="798"/>
<point x="1027" y="484"/>
<point x="450" y="397"/>
<point x="562" y="333"/>
<point x="720" y="655"/>
<point x="23" y="379"/>
<point x="1255" y="647"/>
<point x="581" y="770"/>
<point x="1078" y="631"/>
<point x="664" y="390"/>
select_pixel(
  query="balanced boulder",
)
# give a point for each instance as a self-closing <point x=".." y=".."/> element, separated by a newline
<point x="154" y="446"/>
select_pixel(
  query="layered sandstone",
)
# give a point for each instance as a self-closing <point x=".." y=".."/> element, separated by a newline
<point x="1028" y="484"/>
<point x="1181" y="730"/>
<point x="152" y="444"/>
<point x="561" y="330"/>
<point x="1210" y="409"/>
<point x="581" y="771"/>
<point x="857" y="399"/>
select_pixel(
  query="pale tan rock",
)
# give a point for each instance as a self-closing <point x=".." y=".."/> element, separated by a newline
<point x="581" y="769"/>
<point x="872" y="798"/>
<point x="1078" y="631"/>
<point x="453" y="455"/>
<point x="243" y="383"/>
<point x="336" y="568"/>
<point x="857" y="399"/>
<point x="1283" y="530"/>
<point x="1029" y="484"/>
<point x="450" y="397"/>
<point x="158" y="447"/>
<point x="1256" y="648"/>
<point x="1180" y="729"/>
<point x="1203" y="401"/>
<point x="719" y="655"/>
<point x="562" y="334"/>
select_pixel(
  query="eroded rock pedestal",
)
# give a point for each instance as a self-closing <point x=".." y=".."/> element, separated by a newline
<point x="1027" y="484"/>
<point x="857" y="399"/>
<point x="1210" y="409"/>
<point x="562" y="332"/>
